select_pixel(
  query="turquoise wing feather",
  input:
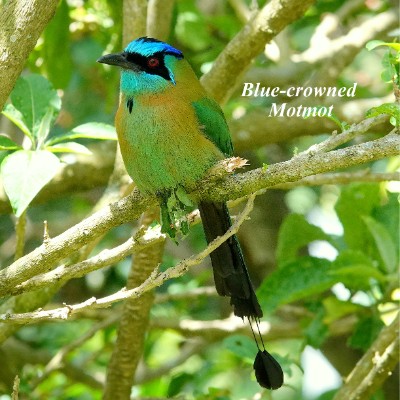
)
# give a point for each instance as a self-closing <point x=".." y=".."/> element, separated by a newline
<point x="213" y="123"/>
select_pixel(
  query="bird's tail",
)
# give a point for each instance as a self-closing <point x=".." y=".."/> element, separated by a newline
<point x="230" y="273"/>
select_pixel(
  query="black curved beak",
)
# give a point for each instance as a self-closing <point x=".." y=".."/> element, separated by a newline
<point x="118" y="59"/>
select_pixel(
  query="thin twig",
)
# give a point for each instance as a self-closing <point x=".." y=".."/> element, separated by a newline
<point x="104" y="259"/>
<point x="15" y="392"/>
<point x="335" y="140"/>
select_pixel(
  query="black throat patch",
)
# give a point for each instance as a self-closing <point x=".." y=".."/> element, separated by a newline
<point x="129" y="105"/>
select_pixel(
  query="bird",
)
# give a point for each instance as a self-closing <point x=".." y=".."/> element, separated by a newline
<point x="171" y="132"/>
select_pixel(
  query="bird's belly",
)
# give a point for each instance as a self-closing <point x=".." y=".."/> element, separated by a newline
<point x="163" y="153"/>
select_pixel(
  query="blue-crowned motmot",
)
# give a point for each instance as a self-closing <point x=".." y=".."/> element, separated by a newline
<point x="170" y="133"/>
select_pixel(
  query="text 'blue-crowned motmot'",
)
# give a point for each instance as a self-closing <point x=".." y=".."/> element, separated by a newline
<point x="170" y="133"/>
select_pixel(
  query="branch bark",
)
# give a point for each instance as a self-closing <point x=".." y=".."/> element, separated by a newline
<point x="159" y="16"/>
<point x="374" y="367"/>
<point x="135" y="15"/>
<point x="134" y="321"/>
<point x="22" y="22"/>
<point x="248" y="43"/>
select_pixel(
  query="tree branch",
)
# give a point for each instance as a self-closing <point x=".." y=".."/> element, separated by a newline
<point x="374" y="367"/>
<point x="159" y="16"/>
<point x="49" y="254"/>
<point x="248" y="43"/>
<point x="105" y="258"/>
<point x="132" y="329"/>
<point x="22" y="22"/>
<point x="57" y="362"/>
<point x="52" y="252"/>
<point x="134" y="19"/>
<point x="154" y="280"/>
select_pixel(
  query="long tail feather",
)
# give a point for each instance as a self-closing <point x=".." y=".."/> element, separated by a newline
<point x="230" y="273"/>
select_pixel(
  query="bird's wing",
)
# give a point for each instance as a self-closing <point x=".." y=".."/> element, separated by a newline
<point x="213" y="124"/>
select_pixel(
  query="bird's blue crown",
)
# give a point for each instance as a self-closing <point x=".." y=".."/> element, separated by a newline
<point x="149" y="46"/>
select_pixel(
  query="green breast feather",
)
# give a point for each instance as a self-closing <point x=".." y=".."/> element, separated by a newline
<point x="213" y="124"/>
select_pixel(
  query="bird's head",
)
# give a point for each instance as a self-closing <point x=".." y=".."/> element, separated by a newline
<point x="148" y="65"/>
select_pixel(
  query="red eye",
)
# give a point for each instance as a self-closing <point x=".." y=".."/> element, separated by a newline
<point x="153" y="62"/>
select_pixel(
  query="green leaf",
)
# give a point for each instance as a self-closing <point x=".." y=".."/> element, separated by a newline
<point x="355" y="201"/>
<point x="91" y="130"/>
<point x="384" y="243"/>
<point x="177" y="383"/>
<point x="335" y="309"/>
<point x="294" y="281"/>
<point x="7" y="144"/>
<point x="17" y="118"/>
<point x="365" y="333"/>
<point x="389" y="63"/>
<point x="58" y="63"/>
<point x="69" y="147"/>
<point x="355" y="270"/>
<point x="242" y="346"/>
<point x="316" y="331"/>
<point x="33" y="96"/>
<point x="290" y="241"/>
<point x="44" y="127"/>
<point x="24" y="174"/>
<point x="391" y="109"/>
<point x="372" y="44"/>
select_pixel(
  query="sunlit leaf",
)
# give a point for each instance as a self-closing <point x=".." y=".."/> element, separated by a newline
<point x="69" y="147"/>
<point x="384" y="243"/>
<point x="24" y="174"/>
<point x="391" y="109"/>
<point x="372" y="44"/>
<point x="7" y="144"/>
<point x="33" y="96"/>
<point x="91" y="130"/>
<point x="17" y="118"/>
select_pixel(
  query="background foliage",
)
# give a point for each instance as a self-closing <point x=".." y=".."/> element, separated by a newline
<point x="325" y="258"/>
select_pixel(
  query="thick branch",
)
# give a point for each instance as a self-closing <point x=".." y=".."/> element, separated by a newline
<point x="248" y="43"/>
<point x="52" y="252"/>
<point x="128" y="348"/>
<point x="135" y="14"/>
<point x="21" y="22"/>
<point x="55" y="250"/>
<point x="374" y="367"/>
<point x="159" y="16"/>
<point x="299" y="167"/>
